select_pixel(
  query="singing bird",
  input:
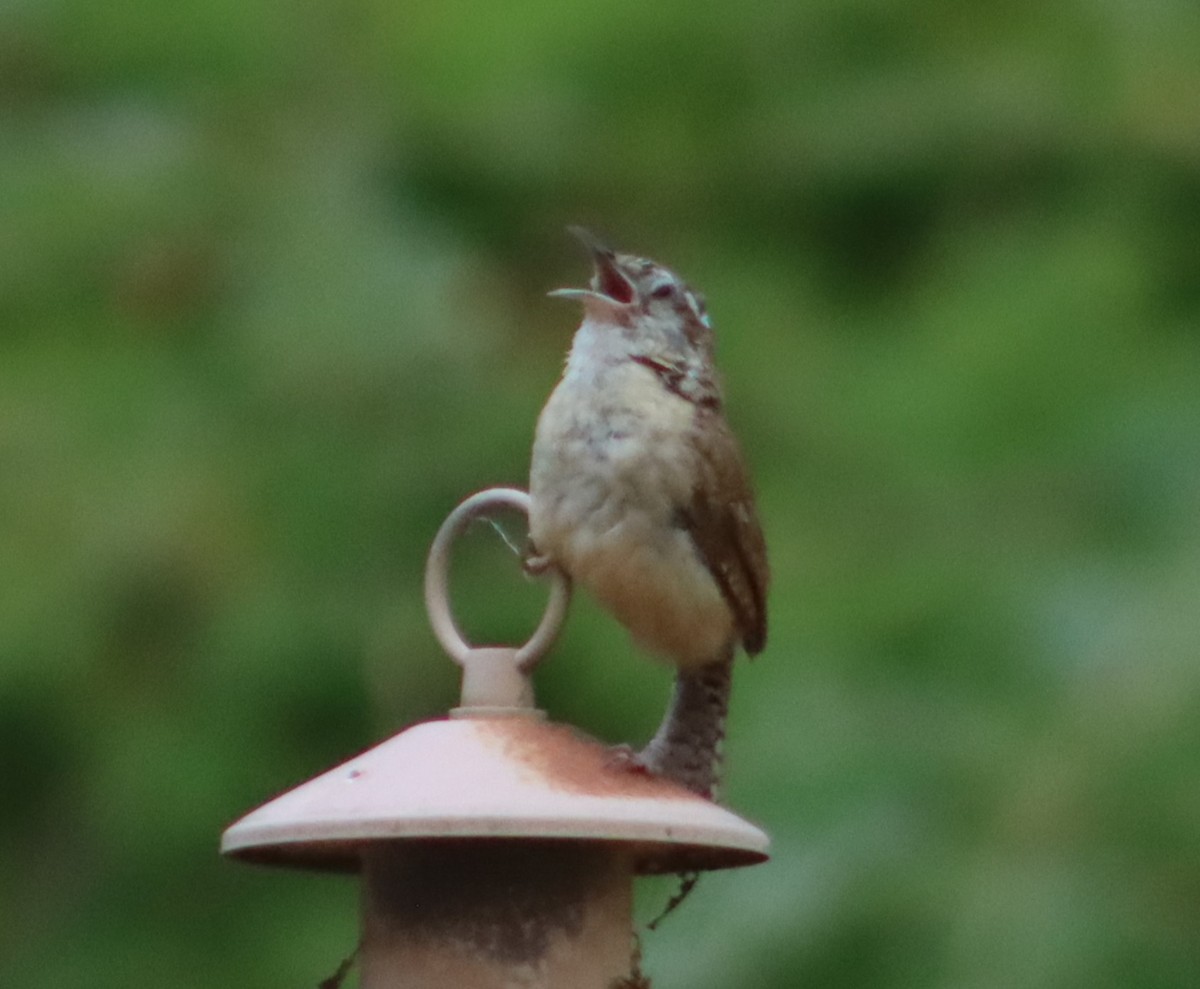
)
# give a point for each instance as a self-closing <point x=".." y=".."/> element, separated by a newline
<point x="639" y="492"/>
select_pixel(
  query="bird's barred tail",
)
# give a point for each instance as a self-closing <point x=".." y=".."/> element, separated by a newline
<point x="687" y="746"/>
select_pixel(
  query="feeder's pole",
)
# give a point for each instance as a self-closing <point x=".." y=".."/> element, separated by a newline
<point x="498" y="915"/>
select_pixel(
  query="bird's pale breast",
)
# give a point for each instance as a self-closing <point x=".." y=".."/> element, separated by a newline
<point x="612" y="464"/>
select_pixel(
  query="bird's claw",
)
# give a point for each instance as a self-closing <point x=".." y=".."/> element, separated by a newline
<point x="627" y="758"/>
<point x="535" y="564"/>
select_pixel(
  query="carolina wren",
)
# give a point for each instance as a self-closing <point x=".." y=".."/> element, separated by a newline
<point x="639" y="492"/>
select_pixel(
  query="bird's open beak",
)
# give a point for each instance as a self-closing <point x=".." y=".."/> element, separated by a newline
<point x="610" y="286"/>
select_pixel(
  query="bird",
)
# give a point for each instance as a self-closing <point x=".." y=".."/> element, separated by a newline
<point x="639" y="492"/>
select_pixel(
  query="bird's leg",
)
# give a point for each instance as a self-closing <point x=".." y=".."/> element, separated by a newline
<point x="687" y="746"/>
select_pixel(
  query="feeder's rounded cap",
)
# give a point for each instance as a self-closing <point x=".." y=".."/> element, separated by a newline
<point x="493" y="778"/>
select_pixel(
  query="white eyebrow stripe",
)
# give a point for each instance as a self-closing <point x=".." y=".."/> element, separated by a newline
<point x="694" y="302"/>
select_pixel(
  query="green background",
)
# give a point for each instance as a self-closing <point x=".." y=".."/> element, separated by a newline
<point x="272" y="301"/>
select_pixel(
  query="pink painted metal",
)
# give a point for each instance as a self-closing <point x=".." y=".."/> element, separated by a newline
<point x="510" y="776"/>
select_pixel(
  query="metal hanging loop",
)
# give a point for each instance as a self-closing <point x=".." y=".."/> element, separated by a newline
<point x="437" y="569"/>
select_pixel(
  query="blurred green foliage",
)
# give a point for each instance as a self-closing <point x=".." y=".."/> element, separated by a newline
<point x="271" y="303"/>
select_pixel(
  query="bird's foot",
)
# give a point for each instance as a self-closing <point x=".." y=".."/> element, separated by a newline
<point x="628" y="758"/>
<point x="535" y="564"/>
<point x="688" y="769"/>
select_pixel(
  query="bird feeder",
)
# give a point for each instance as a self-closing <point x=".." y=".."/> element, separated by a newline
<point x="497" y="848"/>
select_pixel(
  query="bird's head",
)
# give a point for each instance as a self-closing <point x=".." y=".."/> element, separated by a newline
<point x="645" y="302"/>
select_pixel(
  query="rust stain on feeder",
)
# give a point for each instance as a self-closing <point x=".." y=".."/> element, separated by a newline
<point x="563" y="757"/>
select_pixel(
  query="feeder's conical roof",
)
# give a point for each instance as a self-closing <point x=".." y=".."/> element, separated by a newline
<point x="502" y="777"/>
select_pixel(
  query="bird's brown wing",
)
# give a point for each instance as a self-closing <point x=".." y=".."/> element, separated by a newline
<point x="723" y="523"/>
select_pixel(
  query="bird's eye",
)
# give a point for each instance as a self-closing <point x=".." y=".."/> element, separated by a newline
<point x="663" y="291"/>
